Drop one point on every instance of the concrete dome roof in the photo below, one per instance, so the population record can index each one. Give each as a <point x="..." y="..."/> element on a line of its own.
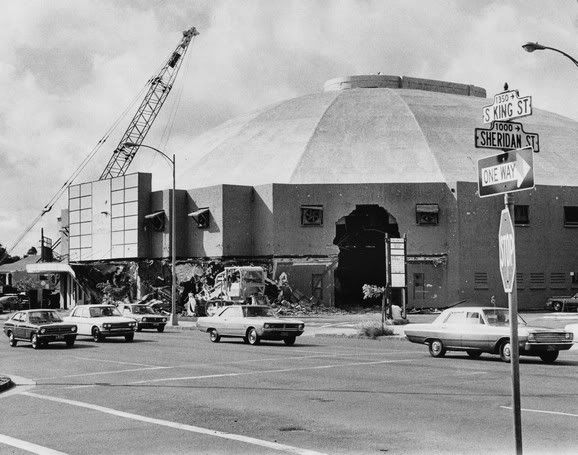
<point x="363" y="130"/>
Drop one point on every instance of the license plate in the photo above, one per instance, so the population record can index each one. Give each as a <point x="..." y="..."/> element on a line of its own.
<point x="284" y="334"/>
<point x="60" y="337"/>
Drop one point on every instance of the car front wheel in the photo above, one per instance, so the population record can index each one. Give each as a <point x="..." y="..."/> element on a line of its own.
<point x="506" y="351"/>
<point x="161" y="328"/>
<point x="253" y="337"/>
<point x="437" y="349"/>
<point x="549" y="357"/>
<point x="128" y="338"/>
<point x="214" y="336"/>
<point x="12" y="340"/>
<point x="96" y="335"/>
<point x="70" y="342"/>
<point x="35" y="341"/>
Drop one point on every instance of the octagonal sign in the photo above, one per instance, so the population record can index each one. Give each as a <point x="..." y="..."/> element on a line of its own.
<point x="507" y="247"/>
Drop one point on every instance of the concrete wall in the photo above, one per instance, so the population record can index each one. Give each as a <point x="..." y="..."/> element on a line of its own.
<point x="546" y="250"/>
<point x="238" y="229"/>
<point x="205" y="242"/>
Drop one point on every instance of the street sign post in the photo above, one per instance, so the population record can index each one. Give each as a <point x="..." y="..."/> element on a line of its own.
<point x="507" y="250"/>
<point x="507" y="172"/>
<point x="507" y="105"/>
<point x="506" y="136"/>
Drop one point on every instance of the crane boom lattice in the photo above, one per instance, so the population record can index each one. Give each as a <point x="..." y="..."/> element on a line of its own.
<point x="159" y="89"/>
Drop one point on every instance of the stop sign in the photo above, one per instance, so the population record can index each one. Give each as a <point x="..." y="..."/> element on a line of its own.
<point x="507" y="246"/>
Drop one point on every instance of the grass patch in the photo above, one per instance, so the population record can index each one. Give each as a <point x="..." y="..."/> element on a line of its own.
<point x="373" y="329"/>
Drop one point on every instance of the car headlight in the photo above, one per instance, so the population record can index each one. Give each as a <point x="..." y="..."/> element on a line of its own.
<point x="42" y="330"/>
<point x="266" y="326"/>
<point x="106" y="326"/>
<point x="301" y="326"/>
<point x="131" y="324"/>
<point x="164" y="320"/>
<point x="531" y="337"/>
<point x="569" y="336"/>
<point x="73" y="329"/>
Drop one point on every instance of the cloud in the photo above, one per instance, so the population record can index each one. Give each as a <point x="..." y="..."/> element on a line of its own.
<point x="70" y="69"/>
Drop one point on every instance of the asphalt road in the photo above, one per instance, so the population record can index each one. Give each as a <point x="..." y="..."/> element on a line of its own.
<point x="177" y="393"/>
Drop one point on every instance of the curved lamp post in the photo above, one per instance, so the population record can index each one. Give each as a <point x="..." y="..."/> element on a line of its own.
<point x="174" y="320"/>
<point x="531" y="47"/>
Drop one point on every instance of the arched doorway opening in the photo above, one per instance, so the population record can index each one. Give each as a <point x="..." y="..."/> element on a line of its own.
<point x="360" y="238"/>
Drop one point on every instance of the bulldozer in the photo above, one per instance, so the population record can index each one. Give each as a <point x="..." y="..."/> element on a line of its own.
<point x="234" y="285"/>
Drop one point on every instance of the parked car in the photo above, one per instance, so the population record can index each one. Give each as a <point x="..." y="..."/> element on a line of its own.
<point x="563" y="303"/>
<point x="145" y="316"/>
<point x="573" y="329"/>
<point x="101" y="321"/>
<point x="486" y="329"/>
<point x="13" y="302"/>
<point x="39" y="327"/>
<point x="252" y="323"/>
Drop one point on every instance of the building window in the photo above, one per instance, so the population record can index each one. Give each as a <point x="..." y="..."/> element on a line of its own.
<point x="557" y="280"/>
<point x="481" y="280"/>
<point x="426" y="214"/>
<point x="311" y="215"/>
<point x="521" y="215"/>
<point x="537" y="280"/>
<point x="571" y="216"/>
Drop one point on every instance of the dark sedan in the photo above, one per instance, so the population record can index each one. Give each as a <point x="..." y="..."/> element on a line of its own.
<point x="39" y="327"/>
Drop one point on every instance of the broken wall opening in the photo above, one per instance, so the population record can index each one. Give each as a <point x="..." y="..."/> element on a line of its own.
<point x="360" y="237"/>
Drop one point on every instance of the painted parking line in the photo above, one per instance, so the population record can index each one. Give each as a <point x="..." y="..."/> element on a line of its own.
<point x="179" y="426"/>
<point x="261" y="372"/>
<point x="28" y="446"/>
<point x="566" y="414"/>
<point x="93" y="359"/>
<point x="99" y="373"/>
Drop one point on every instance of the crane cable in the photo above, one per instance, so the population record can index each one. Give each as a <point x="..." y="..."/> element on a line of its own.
<point x="48" y="206"/>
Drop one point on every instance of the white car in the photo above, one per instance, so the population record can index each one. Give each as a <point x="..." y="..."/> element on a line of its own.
<point x="573" y="328"/>
<point x="101" y="321"/>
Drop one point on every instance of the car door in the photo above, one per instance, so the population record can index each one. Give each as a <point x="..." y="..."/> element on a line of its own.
<point x="223" y="321"/>
<point x="452" y="328"/>
<point x="16" y="328"/>
<point x="476" y="334"/>
<point x="237" y="321"/>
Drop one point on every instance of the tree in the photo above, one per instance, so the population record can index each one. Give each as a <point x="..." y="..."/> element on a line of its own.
<point x="32" y="251"/>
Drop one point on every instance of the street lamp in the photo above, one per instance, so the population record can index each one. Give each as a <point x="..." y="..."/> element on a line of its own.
<point x="531" y="47"/>
<point x="174" y="320"/>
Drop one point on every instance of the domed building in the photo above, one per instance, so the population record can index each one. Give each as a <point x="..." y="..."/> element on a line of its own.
<point x="315" y="186"/>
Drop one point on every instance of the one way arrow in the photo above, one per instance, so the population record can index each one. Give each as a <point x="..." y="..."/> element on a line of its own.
<point x="521" y="170"/>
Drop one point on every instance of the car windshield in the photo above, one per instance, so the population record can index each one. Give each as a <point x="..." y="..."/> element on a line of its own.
<point x="253" y="276"/>
<point x="258" y="312"/>
<point x="500" y="317"/>
<point x="44" y="317"/>
<point x="141" y="310"/>
<point x="103" y="311"/>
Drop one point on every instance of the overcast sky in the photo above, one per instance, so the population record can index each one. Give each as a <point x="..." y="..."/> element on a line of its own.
<point x="68" y="69"/>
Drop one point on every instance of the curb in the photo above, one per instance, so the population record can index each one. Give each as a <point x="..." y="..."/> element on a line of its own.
<point x="5" y="383"/>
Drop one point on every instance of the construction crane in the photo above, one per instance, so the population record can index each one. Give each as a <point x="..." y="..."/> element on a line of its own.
<point x="159" y="89"/>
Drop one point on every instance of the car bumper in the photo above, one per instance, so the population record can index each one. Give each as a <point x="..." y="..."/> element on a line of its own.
<point x="534" y="348"/>
<point x="116" y="332"/>
<point x="57" y="337"/>
<point x="151" y="325"/>
<point x="277" y="334"/>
